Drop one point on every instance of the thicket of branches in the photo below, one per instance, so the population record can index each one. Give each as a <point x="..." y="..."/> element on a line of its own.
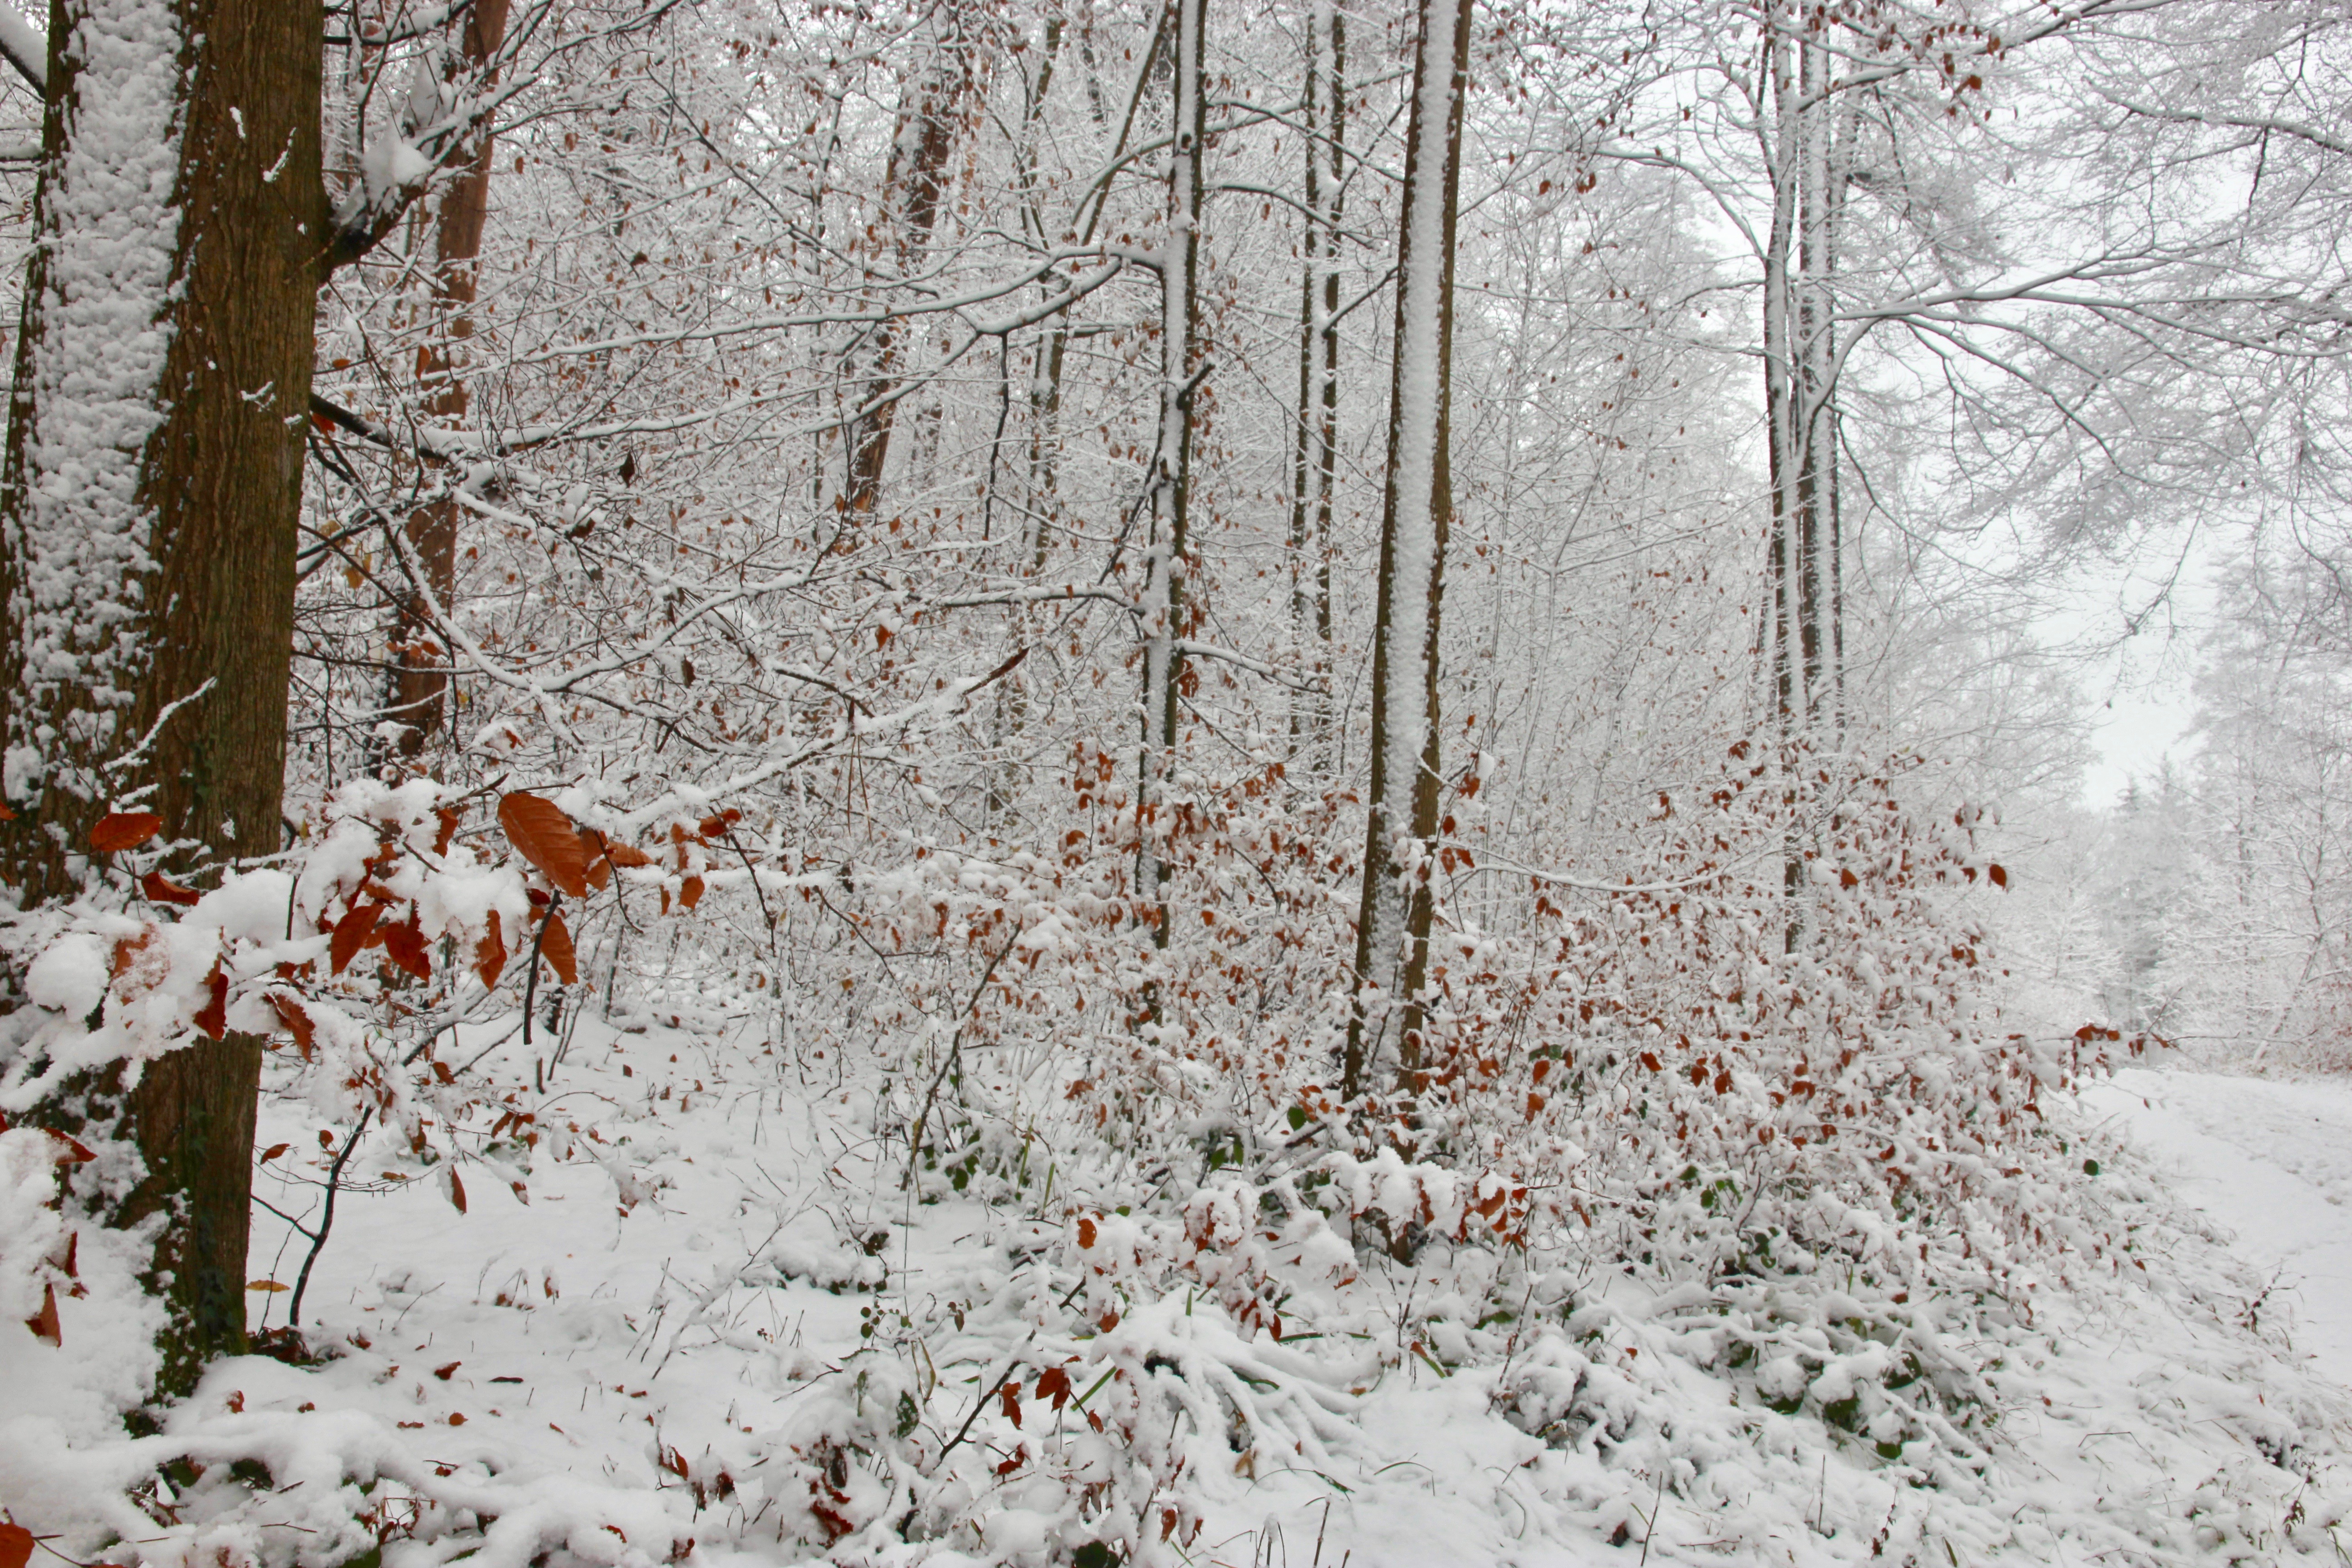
<point x="923" y="530"/>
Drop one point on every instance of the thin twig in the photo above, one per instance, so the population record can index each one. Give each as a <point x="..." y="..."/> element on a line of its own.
<point x="326" y="1217"/>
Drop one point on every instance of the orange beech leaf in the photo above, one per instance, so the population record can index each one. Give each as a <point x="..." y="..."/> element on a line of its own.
<point x="627" y="854"/>
<point x="352" y="933"/>
<point x="441" y="841"/>
<point x="1010" y="1394"/>
<point x="542" y="835"/>
<point x="69" y="1151"/>
<point x="16" y="1546"/>
<point x="298" y="1023"/>
<point x="555" y="946"/>
<point x="44" y="1324"/>
<point x="689" y="892"/>
<point x="124" y="830"/>
<point x="404" y="945"/>
<point x="211" y="1018"/>
<point x="127" y="951"/>
<point x="491" y="954"/>
<point x="6" y="815"/>
<point x="1054" y="1383"/>
<point x="457" y="1189"/>
<point x="163" y="890"/>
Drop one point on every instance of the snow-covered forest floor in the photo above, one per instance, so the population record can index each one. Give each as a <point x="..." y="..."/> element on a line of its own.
<point x="2268" y="1160"/>
<point x="708" y="1338"/>
<point x="1121" y="784"/>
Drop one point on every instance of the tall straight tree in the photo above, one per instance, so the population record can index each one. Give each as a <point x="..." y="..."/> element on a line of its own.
<point x="1806" y="160"/>
<point x="1399" y="903"/>
<point x="1171" y="476"/>
<point x="1316" y="474"/>
<point x="148" y="508"/>
<point x="937" y="99"/>
<point x="420" y="676"/>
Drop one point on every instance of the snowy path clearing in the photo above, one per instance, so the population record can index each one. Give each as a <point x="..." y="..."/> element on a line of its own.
<point x="2270" y="1161"/>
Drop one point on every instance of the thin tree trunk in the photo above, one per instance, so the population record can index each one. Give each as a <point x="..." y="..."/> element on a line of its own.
<point x="913" y="184"/>
<point x="1417" y="506"/>
<point x="420" y="672"/>
<point x="1163" y="605"/>
<point x="1053" y="348"/>
<point x="1006" y="775"/>
<point x="149" y="501"/>
<point x="1784" y="391"/>
<point x="1808" y="386"/>
<point x="1782" y="380"/>
<point x="1316" y="467"/>
<point x="1837" y="178"/>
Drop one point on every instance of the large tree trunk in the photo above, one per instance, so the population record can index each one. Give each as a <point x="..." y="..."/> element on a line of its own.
<point x="420" y="669"/>
<point x="148" y="509"/>
<point x="1163" y="603"/>
<point x="1416" y="512"/>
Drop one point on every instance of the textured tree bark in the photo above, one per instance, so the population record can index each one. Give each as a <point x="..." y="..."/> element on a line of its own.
<point x="913" y="184"/>
<point x="420" y="676"/>
<point x="1317" y="471"/>
<point x="1163" y="603"/>
<point x="1399" y="903"/>
<point x="164" y="509"/>
<point x="1806" y="165"/>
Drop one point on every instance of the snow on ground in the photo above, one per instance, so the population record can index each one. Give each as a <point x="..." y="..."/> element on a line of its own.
<point x="692" y="1275"/>
<point x="618" y="1371"/>
<point x="2270" y="1161"/>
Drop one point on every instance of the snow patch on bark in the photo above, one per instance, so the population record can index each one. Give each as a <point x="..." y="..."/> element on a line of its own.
<point x="93" y="364"/>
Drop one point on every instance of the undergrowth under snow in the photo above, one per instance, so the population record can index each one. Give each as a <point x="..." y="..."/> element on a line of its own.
<point x="714" y="1334"/>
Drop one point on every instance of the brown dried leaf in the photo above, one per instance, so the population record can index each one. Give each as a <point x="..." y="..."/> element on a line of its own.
<point x="298" y="1023"/>
<point x="542" y="835"/>
<point x="627" y="854"/>
<point x="404" y="945"/>
<point x="352" y="933"/>
<point x="1054" y="1383"/>
<point x="163" y="890"/>
<point x="211" y="1018"/>
<point x="127" y="951"/>
<point x="124" y="830"/>
<point x="491" y="954"/>
<point x="44" y="1324"/>
<point x="555" y="945"/>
